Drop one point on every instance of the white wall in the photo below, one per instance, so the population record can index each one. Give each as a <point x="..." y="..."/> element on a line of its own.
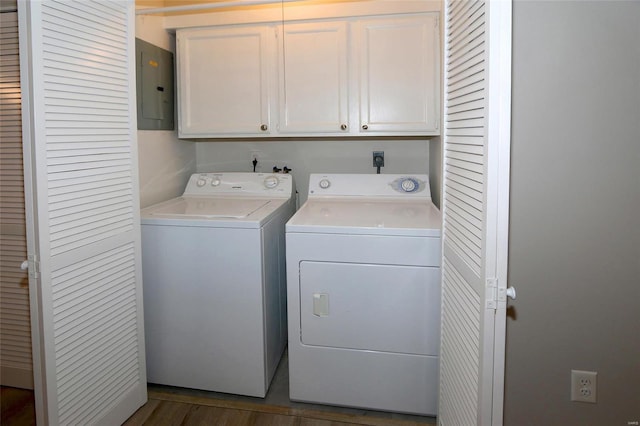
<point x="165" y="163"/>
<point x="315" y="156"/>
<point x="575" y="212"/>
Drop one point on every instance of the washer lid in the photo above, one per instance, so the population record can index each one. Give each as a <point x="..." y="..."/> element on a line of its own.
<point x="208" y="208"/>
<point x="367" y="216"/>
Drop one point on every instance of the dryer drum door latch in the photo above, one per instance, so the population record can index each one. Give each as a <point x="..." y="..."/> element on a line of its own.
<point x="320" y="304"/>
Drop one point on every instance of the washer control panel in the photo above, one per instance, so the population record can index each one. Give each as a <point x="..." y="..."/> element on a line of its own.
<point x="369" y="185"/>
<point x="240" y="183"/>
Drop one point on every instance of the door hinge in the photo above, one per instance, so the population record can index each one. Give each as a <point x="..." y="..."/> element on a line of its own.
<point x="492" y="293"/>
<point x="34" y="266"/>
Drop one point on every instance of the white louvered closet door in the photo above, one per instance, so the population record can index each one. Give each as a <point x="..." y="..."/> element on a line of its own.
<point x="475" y="211"/>
<point x="83" y="233"/>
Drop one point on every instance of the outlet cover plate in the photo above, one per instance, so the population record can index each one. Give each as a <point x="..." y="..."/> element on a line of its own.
<point x="583" y="386"/>
<point x="378" y="154"/>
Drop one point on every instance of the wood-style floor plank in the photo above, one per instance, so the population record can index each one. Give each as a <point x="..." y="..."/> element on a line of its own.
<point x="169" y="413"/>
<point x="266" y="419"/>
<point x="201" y="415"/>
<point x="318" y="422"/>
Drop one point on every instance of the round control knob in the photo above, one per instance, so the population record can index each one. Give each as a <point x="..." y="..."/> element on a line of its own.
<point x="408" y="185"/>
<point x="215" y="181"/>
<point x="324" y="183"/>
<point x="271" y="182"/>
<point x="201" y="182"/>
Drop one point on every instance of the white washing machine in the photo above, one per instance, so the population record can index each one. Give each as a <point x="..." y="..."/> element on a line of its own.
<point x="214" y="282"/>
<point x="363" y="285"/>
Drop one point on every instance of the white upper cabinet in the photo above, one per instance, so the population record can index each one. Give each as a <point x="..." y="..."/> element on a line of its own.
<point x="399" y="75"/>
<point x="224" y="86"/>
<point x="336" y="77"/>
<point x="314" y="83"/>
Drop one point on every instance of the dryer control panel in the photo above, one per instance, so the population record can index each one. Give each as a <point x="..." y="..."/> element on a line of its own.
<point x="369" y="185"/>
<point x="241" y="184"/>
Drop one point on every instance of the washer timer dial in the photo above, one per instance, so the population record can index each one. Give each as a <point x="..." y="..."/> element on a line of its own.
<point x="271" y="182"/>
<point x="324" y="183"/>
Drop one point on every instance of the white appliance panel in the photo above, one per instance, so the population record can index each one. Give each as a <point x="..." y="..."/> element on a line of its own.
<point x="399" y="250"/>
<point x="367" y="216"/>
<point x="374" y="307"/>
<point x="204" y="282"/>
<point x="380" y="187"/>
<point x="379" y="380"/>
<point x="240" y="184"/>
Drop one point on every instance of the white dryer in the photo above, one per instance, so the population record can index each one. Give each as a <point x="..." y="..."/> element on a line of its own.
<point x="363" y="269"/>
<point x="214" y="282"/>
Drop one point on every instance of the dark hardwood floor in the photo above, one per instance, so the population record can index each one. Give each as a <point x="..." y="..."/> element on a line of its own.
<point x="176" y="409"/>
<point x="17" y="407"/>
<point x="173" y="406"/>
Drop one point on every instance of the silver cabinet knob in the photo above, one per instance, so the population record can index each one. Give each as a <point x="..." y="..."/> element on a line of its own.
<point x="365" y="127"/>
<point x="263" y="127"/>
<point x="343" y="127"/>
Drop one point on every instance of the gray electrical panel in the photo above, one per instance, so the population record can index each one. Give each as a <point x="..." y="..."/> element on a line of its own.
<point x="154" y="83"/>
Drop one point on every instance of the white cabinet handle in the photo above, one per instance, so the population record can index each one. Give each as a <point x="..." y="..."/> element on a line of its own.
<point x="24" y="265"/>
<point x="511" y="293"/>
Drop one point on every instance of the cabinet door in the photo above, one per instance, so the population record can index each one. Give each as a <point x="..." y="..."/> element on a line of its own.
<point x="314" y="78"/>
<point x="399" y="75"/>
<point x="223" y="81"/>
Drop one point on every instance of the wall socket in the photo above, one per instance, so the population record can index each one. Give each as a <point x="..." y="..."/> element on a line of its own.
<point x="583" y="386"/>
<point x="257" y="155"/>
<point x="379" y="154"/>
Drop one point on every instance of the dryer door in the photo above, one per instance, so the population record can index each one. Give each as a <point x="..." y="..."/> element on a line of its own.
<point x="371" y="307"/>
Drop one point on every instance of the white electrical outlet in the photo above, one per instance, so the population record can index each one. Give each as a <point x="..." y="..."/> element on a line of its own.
<point x="583" y="386"/>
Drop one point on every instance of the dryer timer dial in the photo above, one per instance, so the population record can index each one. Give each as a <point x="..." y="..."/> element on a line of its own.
<point x="408" y="185"/>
